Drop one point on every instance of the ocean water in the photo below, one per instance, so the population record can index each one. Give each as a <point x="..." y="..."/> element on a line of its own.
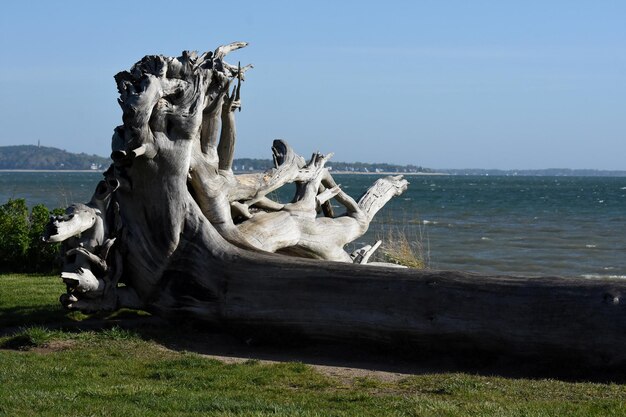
<point x="567" y="226"/>
<point x="53" y="189"/>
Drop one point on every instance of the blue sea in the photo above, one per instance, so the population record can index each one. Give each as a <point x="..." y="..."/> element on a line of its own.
<point x="567" y="226"/>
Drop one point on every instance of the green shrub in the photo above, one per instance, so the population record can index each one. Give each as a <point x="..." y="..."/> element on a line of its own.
<point x="42" y="257"/>
<point x="21" y="247"/>
<point x="14" y="238"/>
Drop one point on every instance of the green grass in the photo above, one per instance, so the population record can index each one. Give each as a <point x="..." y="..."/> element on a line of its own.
<point x="30" y="299"/>
<point x="118" y="372"/>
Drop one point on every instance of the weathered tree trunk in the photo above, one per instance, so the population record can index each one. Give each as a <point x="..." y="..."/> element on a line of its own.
<point x="561" y="319"/>
<point x="187" y="237"/>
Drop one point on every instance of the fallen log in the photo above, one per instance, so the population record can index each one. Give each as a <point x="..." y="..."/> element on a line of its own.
<point x="568" y="321"/>
<point x="182" y="236"/>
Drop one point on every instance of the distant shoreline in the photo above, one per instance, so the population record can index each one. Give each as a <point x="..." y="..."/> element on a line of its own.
<point x="539" y="173"/>
<point x="51" y="170"/>
<point x="388" y="173"/>
<point x="40" y="156"/>
<point x="236" y="172"/>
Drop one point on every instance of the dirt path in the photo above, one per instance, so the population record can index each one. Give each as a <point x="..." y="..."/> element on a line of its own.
<point x="344" y="373"/>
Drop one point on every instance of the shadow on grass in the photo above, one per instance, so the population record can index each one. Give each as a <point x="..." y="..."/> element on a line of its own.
<point x="198" y="338"/>
<point x="19" y="316"/>
<point x="53" y="317"/>
<point x="190" y="336"/>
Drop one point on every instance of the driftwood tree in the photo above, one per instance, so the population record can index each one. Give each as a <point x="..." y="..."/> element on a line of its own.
<point x="171" y="229"/>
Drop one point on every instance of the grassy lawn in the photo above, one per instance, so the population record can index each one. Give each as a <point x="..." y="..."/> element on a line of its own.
<point x="47" y="367"/>
<point x="29" y="299"/>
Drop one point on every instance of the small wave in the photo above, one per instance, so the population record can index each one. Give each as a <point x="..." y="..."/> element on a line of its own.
<point x="485" y="238"/>
<point x="591" y="246"/>
<point x="429" y="222"/>
<point x="623" y="188"/>
<point x="600" y="201"/>
<point x="599" y="276"/>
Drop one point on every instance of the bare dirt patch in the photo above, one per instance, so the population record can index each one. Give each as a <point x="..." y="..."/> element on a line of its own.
<point x="53" y="346"/>
<point x="345" y="374"/>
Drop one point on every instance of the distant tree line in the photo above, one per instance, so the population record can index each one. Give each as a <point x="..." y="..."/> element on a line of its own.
<point x="375" y="167"/>
<point x="42" y="157"/>
<point x="248" y="164"/>
<point x="48" y="158"/>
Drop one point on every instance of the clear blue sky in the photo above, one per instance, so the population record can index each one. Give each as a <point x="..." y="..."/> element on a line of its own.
<point x="442" y="84"/>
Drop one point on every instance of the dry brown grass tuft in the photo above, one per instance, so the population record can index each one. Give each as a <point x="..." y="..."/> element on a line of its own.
<point x="400" y="248"/>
